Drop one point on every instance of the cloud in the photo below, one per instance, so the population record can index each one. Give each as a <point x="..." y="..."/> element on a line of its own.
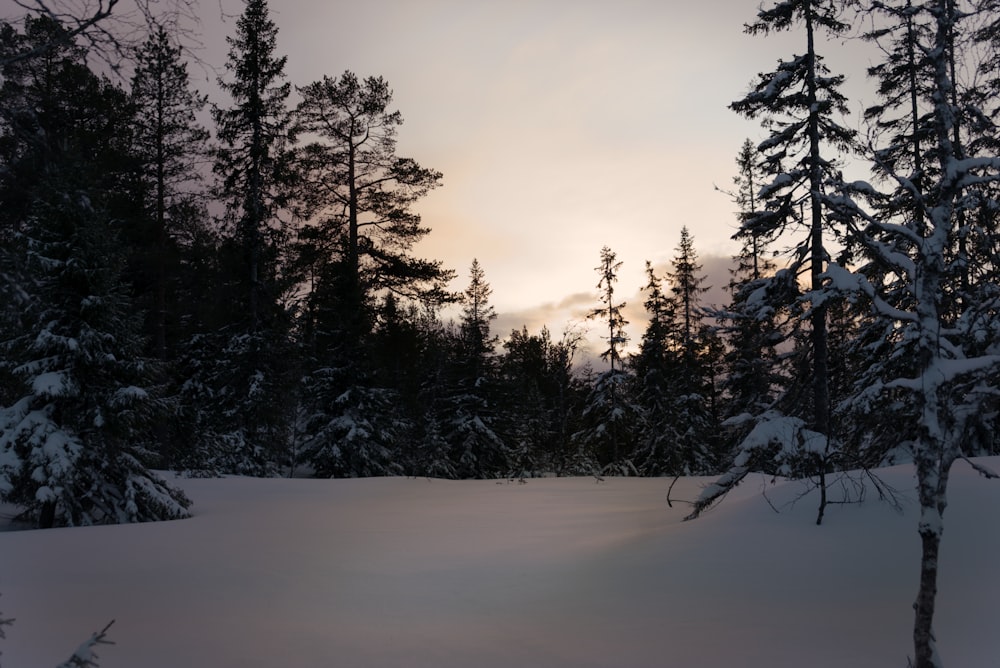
<point x="570" y="312"/>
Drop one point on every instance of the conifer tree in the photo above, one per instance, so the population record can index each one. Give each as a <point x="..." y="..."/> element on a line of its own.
<point x="655" y="368"/>
<point x="948" y="381"/>
<point x="797" y="102"/>
<point x="356" y="197"/>
<point x="77" y="414"/>
<point x="751" y="323"/>
<point x="467" y="403"/>
<point x="686" y="284"/>
<point x="605" y="441"/>
<point x="540" y="399"/>
<point x="251" y="157"/>
<point x="243" y="376"/>
<point x="168" y="142"/>
<point x="477" y="313"/>
<point x="169" y="145"/>
<point x="675" y="372"/>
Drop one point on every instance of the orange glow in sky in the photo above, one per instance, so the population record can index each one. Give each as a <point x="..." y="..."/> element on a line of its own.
<point x="559" y="126"/>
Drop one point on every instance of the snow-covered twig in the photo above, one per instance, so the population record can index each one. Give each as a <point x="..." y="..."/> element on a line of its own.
<point x="984" y="471"/>
<point x="85" y="656"/>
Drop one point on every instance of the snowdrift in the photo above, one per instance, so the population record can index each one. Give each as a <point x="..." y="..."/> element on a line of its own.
<point x="554" y="572"/>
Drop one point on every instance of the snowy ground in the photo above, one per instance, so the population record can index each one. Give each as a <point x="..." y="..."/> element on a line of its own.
<point x="555" y="572"/>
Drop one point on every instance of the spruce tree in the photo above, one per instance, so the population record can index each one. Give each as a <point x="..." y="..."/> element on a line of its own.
<point x="655" y="369"/>
<point x="474" y="424"/>
<point x="251" y="156"/>
<point x="798" y="103"/>
<point x="605" y="441"/>
<point x="244" y="377"/>
<point x="169" y="142"/>
<point x="675" y="372"/>
<point x="169" y="145"/>
<point x="80" y="404"/>
<point x="754" y="322"/>
<point x="541" y="399"/>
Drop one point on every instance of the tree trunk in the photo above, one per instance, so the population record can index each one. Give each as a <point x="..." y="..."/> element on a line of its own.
<point x="923" y="634"/>
<point x="47" y="516"/>
<point x="821" y="387"/>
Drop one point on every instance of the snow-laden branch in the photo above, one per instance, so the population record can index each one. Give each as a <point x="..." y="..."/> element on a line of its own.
<point x="85" y="656"/>
<point x="842" y="280"/>
<point x="946" y="371"/>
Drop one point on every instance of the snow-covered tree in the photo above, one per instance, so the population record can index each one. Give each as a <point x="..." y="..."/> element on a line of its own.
<point x="655" y="368"/>
<point x="469" y="403"/>
<point x="750" y="322"/>
<point x="605" y="439"/>
<point x="950" y="346"/>
<point x="798" y="102"/>
<point x="675" y="373"/>
<point x="81" y="399"/>
<point x="244" y="384"/>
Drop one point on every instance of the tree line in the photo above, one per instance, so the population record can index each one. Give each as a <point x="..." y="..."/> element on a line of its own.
<point x="252" y="304"/>
<point x="248" y="300"/>
<point x="244" y="299"/>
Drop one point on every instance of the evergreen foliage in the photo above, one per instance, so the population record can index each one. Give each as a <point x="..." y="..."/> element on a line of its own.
<point x="80" y="398"/>
<point x="540" y="401"/>
<point x="937" y="367"/>
<point x="249" y="397"/>
<point x="353" y="252"/>
<point x="606" y="438"/>
<point x="798" y="103"/>
<point x="675" y="373"/>
<point x="169" y="145"/>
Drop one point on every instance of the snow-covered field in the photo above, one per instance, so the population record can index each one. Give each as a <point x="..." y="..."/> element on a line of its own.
<point x="555" y="572"/>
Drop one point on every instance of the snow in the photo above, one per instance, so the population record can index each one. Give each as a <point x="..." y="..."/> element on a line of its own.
<point x="50" y="384"/>
<point x="557" y="572"/>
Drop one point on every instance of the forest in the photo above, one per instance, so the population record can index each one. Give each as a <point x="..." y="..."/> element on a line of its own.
<point x="242" y="296"/>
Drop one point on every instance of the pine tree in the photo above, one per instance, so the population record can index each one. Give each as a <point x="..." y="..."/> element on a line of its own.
<point x="356" y="197"/>
<point x="357" y="194"/>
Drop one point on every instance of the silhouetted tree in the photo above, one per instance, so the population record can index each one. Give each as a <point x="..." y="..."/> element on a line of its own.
<point x="605" y="440"/>
<point x="245" y="380"/>
<point x="80" y="399"/>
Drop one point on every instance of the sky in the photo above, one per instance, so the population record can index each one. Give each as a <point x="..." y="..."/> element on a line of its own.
<point x="560" y="127"/>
